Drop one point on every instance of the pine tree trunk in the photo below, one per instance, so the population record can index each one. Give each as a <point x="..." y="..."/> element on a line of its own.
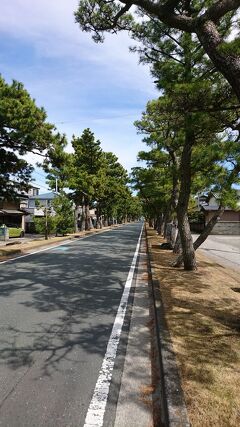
<point x="76" y="219"/>
<point x="166" y="219"/>
<point x="177" y="246"/>
<point x="97" y="219"/>
<point x="150" y="222"/>
<point x="171" y="207"/>
<point x="203" y="236"/>
<point x="188" y="252"/>
<point x="159" y="224"/>
<point x="207" y="230"/>
<point x="82" y="221"/>
<point x="87" y="216"/>
<point x="174" y="233"/>
<point x="105" y="221"/>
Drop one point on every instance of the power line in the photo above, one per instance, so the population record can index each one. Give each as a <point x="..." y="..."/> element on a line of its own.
<point x="42" y="186"/>
<point x="40" y="174"/>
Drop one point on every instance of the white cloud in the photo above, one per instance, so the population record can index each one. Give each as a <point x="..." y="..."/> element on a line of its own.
<point x="50" y="27"/>
<point x="80" y="83"/>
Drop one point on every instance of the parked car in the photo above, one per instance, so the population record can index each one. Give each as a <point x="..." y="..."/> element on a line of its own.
<point x="14" y="230"/>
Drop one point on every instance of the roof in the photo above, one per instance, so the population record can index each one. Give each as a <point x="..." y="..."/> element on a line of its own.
<point x="33" y="186"/>
<point x="11" y="212"/>
<point x="45" y="196"/>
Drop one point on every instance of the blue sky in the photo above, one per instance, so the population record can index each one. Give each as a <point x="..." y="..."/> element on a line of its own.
<point x="80" y="84"/>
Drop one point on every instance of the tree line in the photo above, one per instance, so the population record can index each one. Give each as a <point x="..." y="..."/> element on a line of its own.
<point x="87" y="177"/>
<point x="192" y="129"/>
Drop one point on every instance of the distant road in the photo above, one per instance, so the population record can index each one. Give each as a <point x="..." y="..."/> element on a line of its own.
<point x="223" y="249"/>
<point x="57" y="313"/>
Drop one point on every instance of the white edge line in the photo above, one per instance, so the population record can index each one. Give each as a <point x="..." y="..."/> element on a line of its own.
<point x="96" y="409"/>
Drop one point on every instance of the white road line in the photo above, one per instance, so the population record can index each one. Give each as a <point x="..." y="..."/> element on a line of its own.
<point x="96" y="410"/>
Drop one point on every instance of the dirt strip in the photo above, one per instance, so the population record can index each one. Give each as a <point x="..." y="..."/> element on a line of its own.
<point x="202" y="315"/>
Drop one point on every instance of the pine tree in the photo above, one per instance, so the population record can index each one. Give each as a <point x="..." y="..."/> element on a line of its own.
<point x="23" y="129"/>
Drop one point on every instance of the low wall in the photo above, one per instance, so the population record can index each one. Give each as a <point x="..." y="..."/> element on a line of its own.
<point x="227" y="227"/>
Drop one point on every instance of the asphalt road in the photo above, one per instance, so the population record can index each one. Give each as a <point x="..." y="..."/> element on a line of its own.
<point x="56" y="316"/>
<point x="223" y="249"/>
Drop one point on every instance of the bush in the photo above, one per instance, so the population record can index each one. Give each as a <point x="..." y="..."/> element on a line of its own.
<point x="39" y="224"/>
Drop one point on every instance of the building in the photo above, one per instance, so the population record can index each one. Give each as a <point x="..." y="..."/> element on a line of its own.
<point x="11" y="212"/>
<point x="229" y="222"/>
<point x="37" y="203"/>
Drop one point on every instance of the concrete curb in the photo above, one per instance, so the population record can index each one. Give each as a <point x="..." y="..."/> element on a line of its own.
<point x="173" y="407"/>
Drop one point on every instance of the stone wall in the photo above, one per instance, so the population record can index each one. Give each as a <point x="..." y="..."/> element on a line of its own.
<point x="227" y="227"/>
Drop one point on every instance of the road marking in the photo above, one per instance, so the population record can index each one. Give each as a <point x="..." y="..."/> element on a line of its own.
<point x="62" y="248"/>
<point x="96" y="410"/>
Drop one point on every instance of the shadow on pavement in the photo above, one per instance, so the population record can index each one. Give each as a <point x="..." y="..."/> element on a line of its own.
<point x="65" y="300"/>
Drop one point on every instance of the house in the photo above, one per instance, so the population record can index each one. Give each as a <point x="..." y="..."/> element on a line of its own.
<point x="229" y="222"/>
<point x="33" y="191"/>
<point x="37" y="203"/>
<point x="21" y="211"/>
<point x="12" y="213"/>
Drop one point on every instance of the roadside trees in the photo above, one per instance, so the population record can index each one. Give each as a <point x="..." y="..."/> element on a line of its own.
<point x="83" y="174"/>
<point x="154" y="184"/>
<point x="57" y="163"/>
<point x="199" y="168"/>
<point x="112" y="200"/>
<point x="23" y="129"/>
<point x="64" y="214"/>
<point x="214" y="167"/>
<point x="211" y="23"/>
<point x="196" y="106"/>
<point x="96" y="178"/>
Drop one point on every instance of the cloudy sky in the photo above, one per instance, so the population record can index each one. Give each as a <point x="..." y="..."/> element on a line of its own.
<point x="80" y="84"/>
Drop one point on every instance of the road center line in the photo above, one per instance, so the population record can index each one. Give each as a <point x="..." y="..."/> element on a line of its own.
<point x="96" y="410"/>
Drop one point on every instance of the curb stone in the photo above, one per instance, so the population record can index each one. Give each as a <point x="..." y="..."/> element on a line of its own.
<point x="173" y="407"/>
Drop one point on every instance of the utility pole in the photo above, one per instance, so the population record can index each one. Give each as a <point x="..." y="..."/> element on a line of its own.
<point x="46" y="222"/>
<point x="56" y="185"/>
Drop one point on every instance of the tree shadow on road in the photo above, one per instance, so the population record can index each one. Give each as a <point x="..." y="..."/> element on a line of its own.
<point x="66" y="301"/>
